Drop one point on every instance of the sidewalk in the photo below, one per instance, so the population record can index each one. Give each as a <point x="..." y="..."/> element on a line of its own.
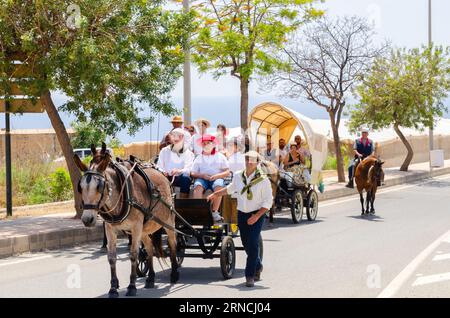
<point x="33" y="234"/>
<point x="392" y="177"/>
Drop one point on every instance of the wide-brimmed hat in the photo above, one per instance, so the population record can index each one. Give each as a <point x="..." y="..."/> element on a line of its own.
<point x="200" y="121"/>
<point x="205" y="138"/>
<point x="252" y="154"/>
<point x="177" y="131"/>
<point x="364" y="130"/>
<point x="177" y="119"/>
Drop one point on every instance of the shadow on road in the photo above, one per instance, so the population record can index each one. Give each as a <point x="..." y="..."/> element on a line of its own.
<point x="371" y="218"/>
<point x="287" y="223"/>
<point x="189" y="276"/>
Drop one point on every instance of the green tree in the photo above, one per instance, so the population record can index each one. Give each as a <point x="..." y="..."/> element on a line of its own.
<point x="241" y="37"/>
<point x="405" y="89"/>
<point x="114" y="60"/>
<point x="323" y="64"/>
<point x="87" y="134"/>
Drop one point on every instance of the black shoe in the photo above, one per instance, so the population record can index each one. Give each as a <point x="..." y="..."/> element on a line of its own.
<point x="258" y="275"/>
<point x="350" y="185"/>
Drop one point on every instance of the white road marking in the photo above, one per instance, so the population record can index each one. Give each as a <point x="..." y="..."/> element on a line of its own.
<point x="395" y="285"/>
<point x="390" y="189"/>
<point x="441" y="257"/>
<point x="431" y="279"/>
<point x="26" y="260"/>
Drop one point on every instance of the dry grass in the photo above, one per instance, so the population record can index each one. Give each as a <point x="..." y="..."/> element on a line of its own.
<point x="40" y="211"/>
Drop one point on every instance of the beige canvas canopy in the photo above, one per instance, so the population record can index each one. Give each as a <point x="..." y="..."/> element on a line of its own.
<point x="272" y="120"/>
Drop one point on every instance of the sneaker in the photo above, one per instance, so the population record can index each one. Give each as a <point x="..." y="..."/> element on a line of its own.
<point x="217" y="217"/>
<point x="250" y="282"/>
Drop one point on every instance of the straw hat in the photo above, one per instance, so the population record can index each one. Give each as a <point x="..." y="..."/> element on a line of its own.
<point x="199" y="122"/>
<point x="177" y="119"/>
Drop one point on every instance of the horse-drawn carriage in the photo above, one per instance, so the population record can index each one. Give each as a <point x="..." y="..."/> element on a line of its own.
<point x="200" y="237"/>
<point x="296" y="191"/>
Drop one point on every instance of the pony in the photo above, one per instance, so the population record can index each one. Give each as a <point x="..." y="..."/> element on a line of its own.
<point x="120" y="193"/>
<point x="368" y="176"/>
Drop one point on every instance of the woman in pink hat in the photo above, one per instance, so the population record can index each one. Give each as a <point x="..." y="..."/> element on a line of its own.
<point x="209" y="170"/>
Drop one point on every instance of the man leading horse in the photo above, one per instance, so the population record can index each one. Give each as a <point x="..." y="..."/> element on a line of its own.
<point x="362" y="148"/>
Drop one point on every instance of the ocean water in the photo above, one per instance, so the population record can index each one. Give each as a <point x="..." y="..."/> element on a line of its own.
<point x="223" y="110"/>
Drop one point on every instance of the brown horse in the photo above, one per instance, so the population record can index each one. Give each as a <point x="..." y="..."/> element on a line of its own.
<point x="368" y="176"/>
<point x="117" y="192"/>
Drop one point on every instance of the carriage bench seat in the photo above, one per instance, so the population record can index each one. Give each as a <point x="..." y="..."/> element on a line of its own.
<point x="196" y="212"/>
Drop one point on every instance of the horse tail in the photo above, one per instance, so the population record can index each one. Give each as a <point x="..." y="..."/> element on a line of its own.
<point x="157" y="243"/>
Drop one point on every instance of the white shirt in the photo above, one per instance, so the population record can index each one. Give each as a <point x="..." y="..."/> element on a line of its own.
<point x="210" y="164"/>
<point x="236" y="162"/>
<point x="262" y="193"/>
<point x="169" y="159"/>
<point x="272" y="156"/>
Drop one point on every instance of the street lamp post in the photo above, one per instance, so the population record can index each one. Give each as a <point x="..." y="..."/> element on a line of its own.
<point x="187" y="76"/>
<point x="430" y="43"/>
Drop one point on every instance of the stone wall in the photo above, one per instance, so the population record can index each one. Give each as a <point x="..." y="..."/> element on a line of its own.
<point x="35" y="145"/>
<point x="393" y="152"/>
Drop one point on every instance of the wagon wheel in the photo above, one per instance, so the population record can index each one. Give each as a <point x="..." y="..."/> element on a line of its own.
<point x="312" y="205"/>
<point x="142" y="266"/>
<point x="297" y="206"/>
<point x="227" y="257"/>
<point x="181" y="249"/>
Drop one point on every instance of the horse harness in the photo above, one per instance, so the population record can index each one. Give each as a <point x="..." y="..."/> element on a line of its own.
<point x="128" y="200"/>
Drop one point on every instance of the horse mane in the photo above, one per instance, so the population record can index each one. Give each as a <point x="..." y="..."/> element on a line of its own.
<point x="365" y="165"/>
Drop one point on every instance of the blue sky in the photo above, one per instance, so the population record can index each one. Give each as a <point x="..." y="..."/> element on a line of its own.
<point x="403" y="22"/>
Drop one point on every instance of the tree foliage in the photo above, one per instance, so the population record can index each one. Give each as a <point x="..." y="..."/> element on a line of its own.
<point x="115" y="60"/>
<point x="405" y="89"/>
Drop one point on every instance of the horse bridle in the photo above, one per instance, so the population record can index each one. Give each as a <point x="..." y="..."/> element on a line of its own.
<point x="102" y="191"/>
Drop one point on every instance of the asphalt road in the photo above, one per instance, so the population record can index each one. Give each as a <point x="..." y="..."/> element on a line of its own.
<point x="402" y="251"/>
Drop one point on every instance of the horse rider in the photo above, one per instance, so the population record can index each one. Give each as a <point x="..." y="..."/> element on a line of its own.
<point x="254" y="198"/>
<point x="363" y="148"/>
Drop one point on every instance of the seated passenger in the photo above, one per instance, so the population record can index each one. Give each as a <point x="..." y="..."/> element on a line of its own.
<point x="209" y="170"/>
<point x="236" y="159"/>
<point x="294" y="163"/>
<point x="293" y="158"/>
<point x="272" y="154"/>
<point x="302" y="150"/>
<point x="202" y="125"/>
<point x="176" y="161"/>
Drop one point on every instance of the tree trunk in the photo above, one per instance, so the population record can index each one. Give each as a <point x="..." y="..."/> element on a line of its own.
<point x="64" y="142"/>
<point x="410" y="154"/>
<point x="244" y="104"/>
<point x="337" y="149"/>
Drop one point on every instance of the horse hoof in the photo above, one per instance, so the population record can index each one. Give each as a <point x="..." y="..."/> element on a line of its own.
<point x="174" y="278"/>
<point x="131" y="291"/>
<point x="149" y="285"/>
<point x="113" y="293"/>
